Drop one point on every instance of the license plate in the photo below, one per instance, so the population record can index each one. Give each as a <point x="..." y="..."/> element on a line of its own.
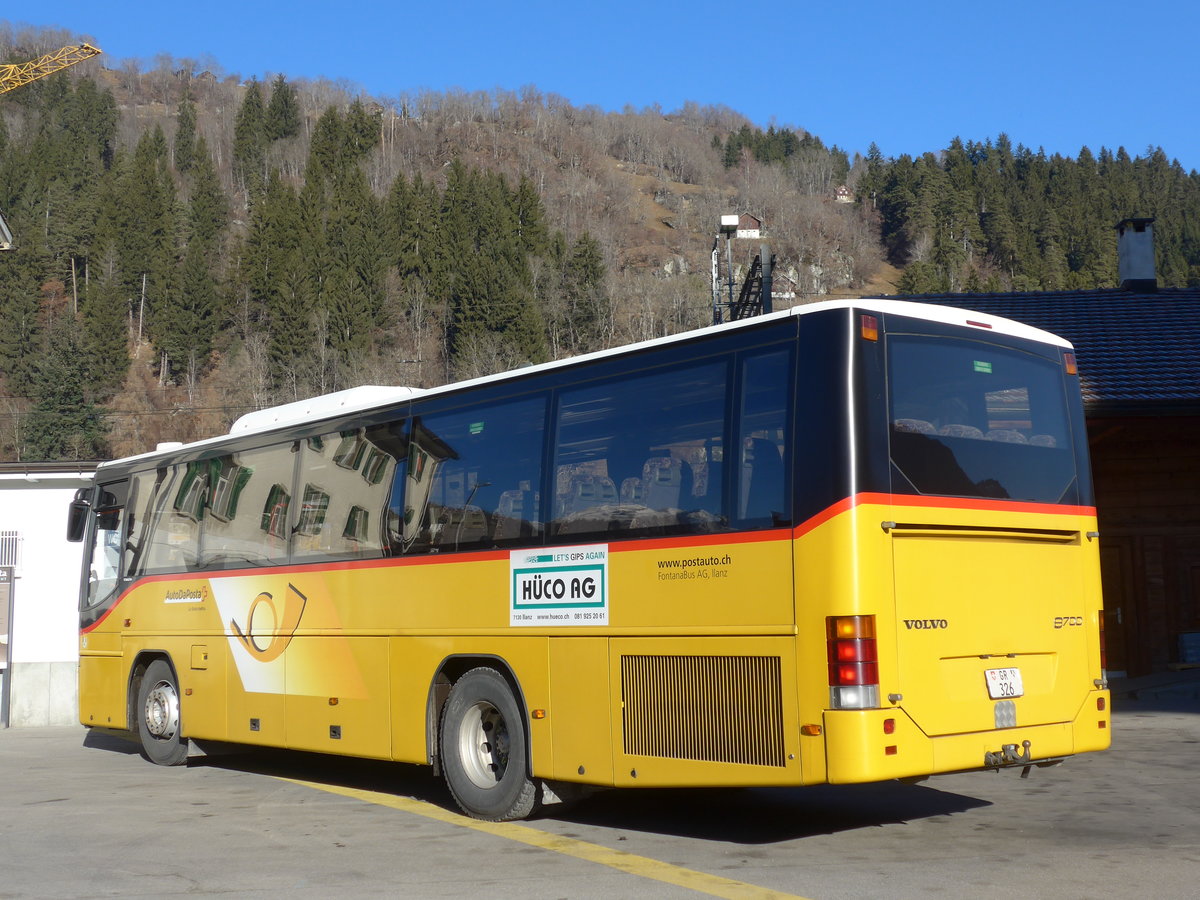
<point x="1004" y="684"/>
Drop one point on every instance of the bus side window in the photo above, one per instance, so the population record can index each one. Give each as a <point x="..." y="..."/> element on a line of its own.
<point x="642" y="454"/>
<point x="174" y="530"/>
<point x="763" y="424"/>
<point x="141" y="492"/>
<point x="472" y="477"/>
<point x="346" y="493"/>
<point x="244" y="520"/>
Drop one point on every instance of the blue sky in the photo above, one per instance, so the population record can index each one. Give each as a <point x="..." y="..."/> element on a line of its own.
<point x="908" y="76"/>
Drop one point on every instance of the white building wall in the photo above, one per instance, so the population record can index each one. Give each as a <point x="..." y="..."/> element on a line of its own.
<point x="44" y="632"/>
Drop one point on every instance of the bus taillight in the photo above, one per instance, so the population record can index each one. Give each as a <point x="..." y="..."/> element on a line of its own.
<point x="853" y="662"/>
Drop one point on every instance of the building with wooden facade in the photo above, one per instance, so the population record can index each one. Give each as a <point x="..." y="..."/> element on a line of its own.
<point x="1138" y="349"/>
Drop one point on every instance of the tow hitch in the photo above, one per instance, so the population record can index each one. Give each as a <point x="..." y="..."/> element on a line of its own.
<point x="1008" y="756"/>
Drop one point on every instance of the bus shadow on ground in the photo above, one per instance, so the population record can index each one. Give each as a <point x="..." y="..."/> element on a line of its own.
<point x="115" y="741"/>
<point x="730" y="815"/>
<point x="765" y="815"/>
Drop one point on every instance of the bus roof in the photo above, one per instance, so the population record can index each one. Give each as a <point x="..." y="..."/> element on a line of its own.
<point x="369" y="397"/>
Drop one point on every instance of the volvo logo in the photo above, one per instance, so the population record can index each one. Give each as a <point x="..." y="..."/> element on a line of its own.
<point x="921" y="624"/>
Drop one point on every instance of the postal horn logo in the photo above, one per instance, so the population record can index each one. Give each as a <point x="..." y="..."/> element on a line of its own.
<point x="269" y="630"/>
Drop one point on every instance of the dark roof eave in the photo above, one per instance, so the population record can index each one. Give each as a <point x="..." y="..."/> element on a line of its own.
<point x="47" y="467"/>
<point x="1140" y="409"/>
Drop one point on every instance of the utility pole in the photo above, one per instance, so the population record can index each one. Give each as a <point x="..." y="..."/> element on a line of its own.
<point x="755" y="296"/>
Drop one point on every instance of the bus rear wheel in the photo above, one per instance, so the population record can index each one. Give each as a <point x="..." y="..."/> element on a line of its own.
<point x="158" y="716"/>
<point x="484" y="755"/>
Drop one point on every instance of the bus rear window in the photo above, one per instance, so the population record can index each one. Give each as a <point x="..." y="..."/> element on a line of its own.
<point x="970" y="418"/>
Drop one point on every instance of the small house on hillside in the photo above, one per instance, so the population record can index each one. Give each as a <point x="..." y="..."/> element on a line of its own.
<point x="748" y="227"/>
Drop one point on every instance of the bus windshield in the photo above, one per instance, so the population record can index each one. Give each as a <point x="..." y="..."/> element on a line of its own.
<point x="976" y="419"/>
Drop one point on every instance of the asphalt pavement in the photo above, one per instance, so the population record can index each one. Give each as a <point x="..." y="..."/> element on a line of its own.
<point x="82" y="815"/>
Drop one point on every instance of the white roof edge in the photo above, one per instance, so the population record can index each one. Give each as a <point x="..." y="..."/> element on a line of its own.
<point x="367" y="396"/>
<point x="951" y="315"/>
<point x="372" y="396"/>
<point x="36" y="477"/>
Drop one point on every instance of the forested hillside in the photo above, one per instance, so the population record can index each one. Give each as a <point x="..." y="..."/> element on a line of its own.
<point x="986" y="216"/>
<point x="192" y="245"/>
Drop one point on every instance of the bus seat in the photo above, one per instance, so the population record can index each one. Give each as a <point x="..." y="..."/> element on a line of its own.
<point x="586" y="491"/>
<point x="1007" y="436"/>
<point x="514" y="515"/>
<point x="763" y="479"/>
<point x="662" y="478"/>
<point x="465" y="527"/>
<point x="914" y="426"/>
<point x="633" y="492"/>
<point x="961" y="431"/>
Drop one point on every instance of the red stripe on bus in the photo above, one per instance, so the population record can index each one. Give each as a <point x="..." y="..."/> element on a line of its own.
<point x="634" y="544"/>
<point x="1051" y="509"/>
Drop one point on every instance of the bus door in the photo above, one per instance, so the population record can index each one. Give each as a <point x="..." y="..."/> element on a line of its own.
<point x="107" y="534"/>
<point x="101" y="668"/>
<point x="990" y="555"/>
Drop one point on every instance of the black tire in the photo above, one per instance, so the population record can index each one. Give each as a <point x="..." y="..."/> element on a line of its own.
<point x="157" y="712"/>
<point x="484" y="755"/>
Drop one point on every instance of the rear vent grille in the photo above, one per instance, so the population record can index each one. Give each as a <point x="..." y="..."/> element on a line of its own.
<point x="707" y="708"/>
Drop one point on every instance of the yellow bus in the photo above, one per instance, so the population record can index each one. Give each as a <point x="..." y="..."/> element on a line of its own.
<point x="849" y="542"/>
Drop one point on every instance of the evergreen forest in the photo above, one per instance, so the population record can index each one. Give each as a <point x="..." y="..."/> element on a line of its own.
<point x="191" y="245"/>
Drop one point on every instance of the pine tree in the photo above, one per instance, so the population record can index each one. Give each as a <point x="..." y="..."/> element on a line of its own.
<point x="278" y="289"/>
<point x="531" y="218"/>
<point x="64" y="422"/>
<point x="105" y="329"/>
<point x="209" y="207"/>
<point x="358" y="264"/>
<point x="189" y="323"/>
<point x="362" y="130"/>
<point x="141" y="226"/>
<point x="185" y="134"/>
<point x="19" y="338"/>
<point x="282" y="118"/>
<point x="249" y="140"/>
<point x="486" y="279"/>
<point x="588" y="306"/>
<point x="327" y="150"/>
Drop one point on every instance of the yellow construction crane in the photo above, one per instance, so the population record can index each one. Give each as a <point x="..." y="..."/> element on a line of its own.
<point x="15" y="76"/>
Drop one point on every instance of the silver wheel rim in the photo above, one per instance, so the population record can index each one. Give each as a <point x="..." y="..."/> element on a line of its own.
<point x="162" y="711"/>
<point x="483" y="744"/>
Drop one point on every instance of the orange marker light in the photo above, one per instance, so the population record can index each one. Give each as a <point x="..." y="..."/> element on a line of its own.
<point x="870" y="328"/>
<point x="1069" y="362"/>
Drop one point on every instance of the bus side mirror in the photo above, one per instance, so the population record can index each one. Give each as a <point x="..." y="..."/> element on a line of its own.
<point x="77" y="520"/>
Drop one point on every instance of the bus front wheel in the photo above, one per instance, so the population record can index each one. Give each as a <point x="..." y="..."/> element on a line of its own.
<point x="484" y="754"/>
<point x="158" y="716"/>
